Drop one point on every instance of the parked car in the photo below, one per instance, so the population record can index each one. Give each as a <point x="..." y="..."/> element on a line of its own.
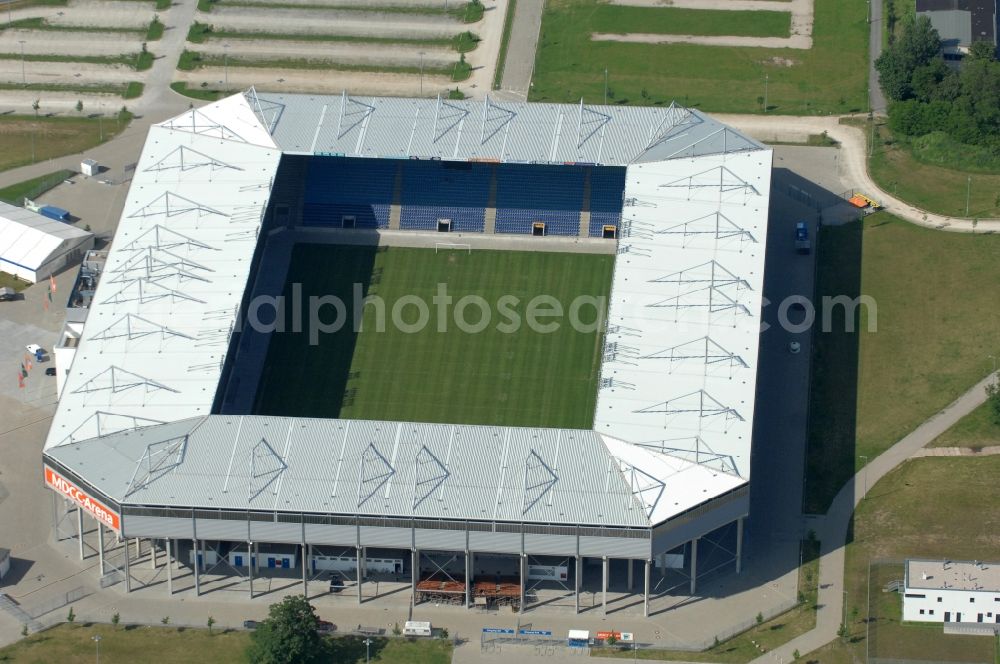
<point x="51" y="371"/>
<point x="249" y="624"/>
<point x="326" y="627"/>
<point x="7" y="293"/>
<point x="336" y="583"/>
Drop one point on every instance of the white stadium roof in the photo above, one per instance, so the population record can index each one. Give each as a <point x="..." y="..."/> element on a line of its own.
<point x="675" y="408"/>
<point x="28" y="240"/>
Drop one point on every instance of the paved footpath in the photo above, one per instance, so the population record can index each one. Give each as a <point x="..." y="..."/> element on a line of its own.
<point x="853" y="149"/>
<point x="832" y="530"/>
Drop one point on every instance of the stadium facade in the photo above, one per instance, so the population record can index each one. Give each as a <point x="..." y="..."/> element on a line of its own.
<point x="153" y="439"/>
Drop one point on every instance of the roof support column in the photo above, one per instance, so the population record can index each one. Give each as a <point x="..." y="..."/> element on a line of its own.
<point x="79" y="529"/>
<point x="170" y="564"/>
<point x="645" y="591"/>
<point x="577" y="573"/>
<point x="360" y="557"/>
<point x="128" y="572"/>
<point x="739" y="545"/>
<point x="100" y="547"/>
<point x="604" y="585"/>
<point x="468" y="578"/>
<point x="414" y="575"/>
<point x="305" y="572"/>
<point x="250" y="562"/>
<point x="631" y="568"/>
<point x="152" y="553"/>
<point x="524" y="581"/>
<point x="694" y="566"/>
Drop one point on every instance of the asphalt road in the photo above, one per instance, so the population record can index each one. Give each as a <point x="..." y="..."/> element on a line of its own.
<point x="876" y="100"/>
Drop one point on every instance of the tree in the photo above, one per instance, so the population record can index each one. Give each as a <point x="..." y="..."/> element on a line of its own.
<point x="917" y="46"/>
<point x="165" y="620"/>
<point x="993" y="392"/>
<point x="115" y="619"/>
<point x="612" y="639"/>
<point x="211" y="623"/>
<point x="289" y="635"/>
<point x="79" y="106"/>
<point x="71" y="616"/>
<point x="35" y="106"/>
<point x="982" y="50"/>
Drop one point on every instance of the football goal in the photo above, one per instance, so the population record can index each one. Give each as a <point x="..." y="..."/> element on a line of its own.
<point x="452" y="246"/>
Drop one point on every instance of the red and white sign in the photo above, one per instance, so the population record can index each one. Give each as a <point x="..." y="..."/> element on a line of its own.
<point x="70" y="490"/>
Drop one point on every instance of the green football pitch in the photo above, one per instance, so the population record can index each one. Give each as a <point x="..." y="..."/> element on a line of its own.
<point x="441" y="372"/>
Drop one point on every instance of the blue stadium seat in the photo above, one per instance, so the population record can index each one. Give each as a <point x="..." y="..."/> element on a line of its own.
<point x="435" y="190"/>
<point x="607" y="186"/>
<point x="530" y="193"/>
<point x="338" y="186"/>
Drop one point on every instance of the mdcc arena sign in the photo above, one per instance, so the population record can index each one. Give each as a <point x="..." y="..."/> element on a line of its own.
<point x="70" y="490"/>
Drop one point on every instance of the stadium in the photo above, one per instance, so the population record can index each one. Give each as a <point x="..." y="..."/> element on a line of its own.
<point x="211" y="408"/>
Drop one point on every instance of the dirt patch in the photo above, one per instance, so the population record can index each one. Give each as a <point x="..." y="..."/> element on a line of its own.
<point x="779" y="62"/>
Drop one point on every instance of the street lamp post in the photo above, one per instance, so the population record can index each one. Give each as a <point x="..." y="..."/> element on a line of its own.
<point x="368" y="652"/>
<point x="24" y="80"/>
<point x="225" y="63"/>
<point x="864" y="472"/>
<point x="605" y="86"/>
<point x="765" y="93"/>
<point x="968" y="192"/>
<point x="421" y="73"/>
<point x="96" y="638"/>
<point x="994" y="358"/>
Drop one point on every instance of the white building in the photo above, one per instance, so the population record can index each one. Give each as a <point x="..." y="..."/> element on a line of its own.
<point x="32" y="247"/>
<point x="951" y="591"/>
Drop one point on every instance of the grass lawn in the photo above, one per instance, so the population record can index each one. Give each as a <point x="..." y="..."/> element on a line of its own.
<point x="70" y="644"/>
<point x="768" y="635"/>
<point x="16" y="193"/>
<point x="931" y="507"/>
<point x="829" y="78"/>
<point x="522" y="378"/>
<point x="51" y="137"/>
<point x="10" y="281"/>
<point x="934" y="186"/>
<point x="937" y="323"/>
<point x="977" y="429"/>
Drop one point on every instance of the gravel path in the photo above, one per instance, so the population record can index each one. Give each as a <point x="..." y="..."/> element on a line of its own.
<point x="520" y="64"/>
<point x="989" y="450"/>
<point x="63" y="73"/>
<point x="332" y="22"/>
<point x="351" y="53"/>
<point x="59" y="103"/>
<point x="330" y="82"/>
<point x="800" y="36"/>
<point x="484" y="59"/>
<point x="50" y="42"/>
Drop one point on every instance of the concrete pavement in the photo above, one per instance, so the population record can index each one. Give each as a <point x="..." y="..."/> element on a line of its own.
<point x="520" y="61"/>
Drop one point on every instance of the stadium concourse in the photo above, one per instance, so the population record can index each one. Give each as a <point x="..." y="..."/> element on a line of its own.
<point x="155" y="439"/>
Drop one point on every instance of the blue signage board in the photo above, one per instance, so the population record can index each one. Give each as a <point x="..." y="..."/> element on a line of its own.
<point x="497" y="630"/>
<point x="535" y="632"/>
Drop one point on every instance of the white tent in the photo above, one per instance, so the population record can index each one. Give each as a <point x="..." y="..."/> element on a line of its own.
<point x="32" y="246"/>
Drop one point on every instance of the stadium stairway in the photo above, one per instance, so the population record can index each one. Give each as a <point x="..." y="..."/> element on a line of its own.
<point x="490" y="218"/>
<point x="585" y="205"/>
<point x="241" y="390"/>
<point x="396" y="207"/>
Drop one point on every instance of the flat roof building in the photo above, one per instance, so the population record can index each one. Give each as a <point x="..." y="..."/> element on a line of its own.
<point x="950" y="591"/>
